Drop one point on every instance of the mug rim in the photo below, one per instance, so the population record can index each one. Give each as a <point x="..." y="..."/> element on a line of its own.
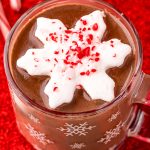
<point x="43" y="109"/>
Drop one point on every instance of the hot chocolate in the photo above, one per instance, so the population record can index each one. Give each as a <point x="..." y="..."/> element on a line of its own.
<point x="77" y="60"/>
<point x="33" y="86"/>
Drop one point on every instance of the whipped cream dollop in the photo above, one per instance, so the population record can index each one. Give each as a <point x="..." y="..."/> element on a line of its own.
<point x="75" y="58"/>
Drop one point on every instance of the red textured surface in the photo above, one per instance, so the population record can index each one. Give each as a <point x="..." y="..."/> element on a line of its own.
<point x="138" y="11"/>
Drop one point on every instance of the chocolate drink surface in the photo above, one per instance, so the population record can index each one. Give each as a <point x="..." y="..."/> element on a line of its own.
<point x="33" y="86"/>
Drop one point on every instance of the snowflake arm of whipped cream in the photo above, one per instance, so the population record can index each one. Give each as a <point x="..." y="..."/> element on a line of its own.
<point x="74" y="58"/>
<point x="99" y="84"/>
<point x="60" y="88"/>
<point x="46" y="27"/>
<point x="94" y="25"/>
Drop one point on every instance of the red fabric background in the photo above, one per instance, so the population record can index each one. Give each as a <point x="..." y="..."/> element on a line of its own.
<point x="138" y="11"/>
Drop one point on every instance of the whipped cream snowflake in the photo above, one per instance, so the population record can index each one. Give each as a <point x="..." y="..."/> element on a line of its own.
<point x="74" y="58"/>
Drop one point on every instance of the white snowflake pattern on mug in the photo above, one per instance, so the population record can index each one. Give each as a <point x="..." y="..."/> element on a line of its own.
<point x="114" y="116"/>
<point x="112" y="133"/>
<point x="41" y="137"/>
<point x="77" y="145"/>
<point x="80" y="129"/>
<point x="33" y="118"/>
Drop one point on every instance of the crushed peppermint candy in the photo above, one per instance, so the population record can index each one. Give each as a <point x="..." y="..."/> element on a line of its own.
<point x="75" y="58"/>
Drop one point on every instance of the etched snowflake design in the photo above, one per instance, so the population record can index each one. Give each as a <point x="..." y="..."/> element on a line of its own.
<point x="75" y="57"/>
<point x="80" y="129"/>
<point x="77" y="145"/>
<point x="33" y="118"/>
<point x="41" y="137"/>
<point x="112" y="133"/>
<point x="114" y="116"/>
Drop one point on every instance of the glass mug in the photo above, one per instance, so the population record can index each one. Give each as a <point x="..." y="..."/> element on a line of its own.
<point x="102" y="128"/>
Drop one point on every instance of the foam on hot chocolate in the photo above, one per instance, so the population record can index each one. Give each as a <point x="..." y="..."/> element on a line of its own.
<point x="74" y="58"/>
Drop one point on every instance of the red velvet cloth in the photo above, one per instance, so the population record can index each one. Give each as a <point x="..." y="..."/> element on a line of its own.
<point x="138" y="11"/>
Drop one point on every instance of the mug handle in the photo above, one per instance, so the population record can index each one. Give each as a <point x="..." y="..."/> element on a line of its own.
<point x="142" y="102"/>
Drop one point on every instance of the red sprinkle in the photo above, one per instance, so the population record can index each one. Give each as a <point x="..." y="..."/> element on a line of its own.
<point x="91" y="36"/>
<point x="68" y="31"/>
<point x="48" y="60"/>
<point x="66" y="36"/>
<point x="80" y="55"/>
<point x="36" y="59"/>
<point x="88" y="73"/>
<point x="84" y="22"/>
<point x="111" y="41"/>
<point x="66" y="62"/>
<point x="80" y="37"/>
<point x="69" y="78"/>
<point x="97" y="54"/>
<point x="93" y="48"/>
<point x="112" y="45"/>
<point x="82" y="73"/>
<point x="67" y="57"/>
<point x="93" y="70"/>
<point x="83" y="29"/>
<point x="89" y="28"/>
<point x="56" y="52"/>
<point x="88" y="41"/>
<point x="90" y="59"/>
<point x="61" y="38"/>
<point x="114" y="55"/>
<point x="78" y="49"/>
<point x="67" y="52"/>
<point x="86" y="51"/>
<point x="95" y="27"/>
<point x="55" y="88"/>
<point x="56" y="60"/>
<point x="96" y="59"/>
<point x="73" y="63"/>
<point x="33" y="53"/>
<point x="53" y="38"/>
<point x="75" y="42"/>
<point x="79" y="61"/>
